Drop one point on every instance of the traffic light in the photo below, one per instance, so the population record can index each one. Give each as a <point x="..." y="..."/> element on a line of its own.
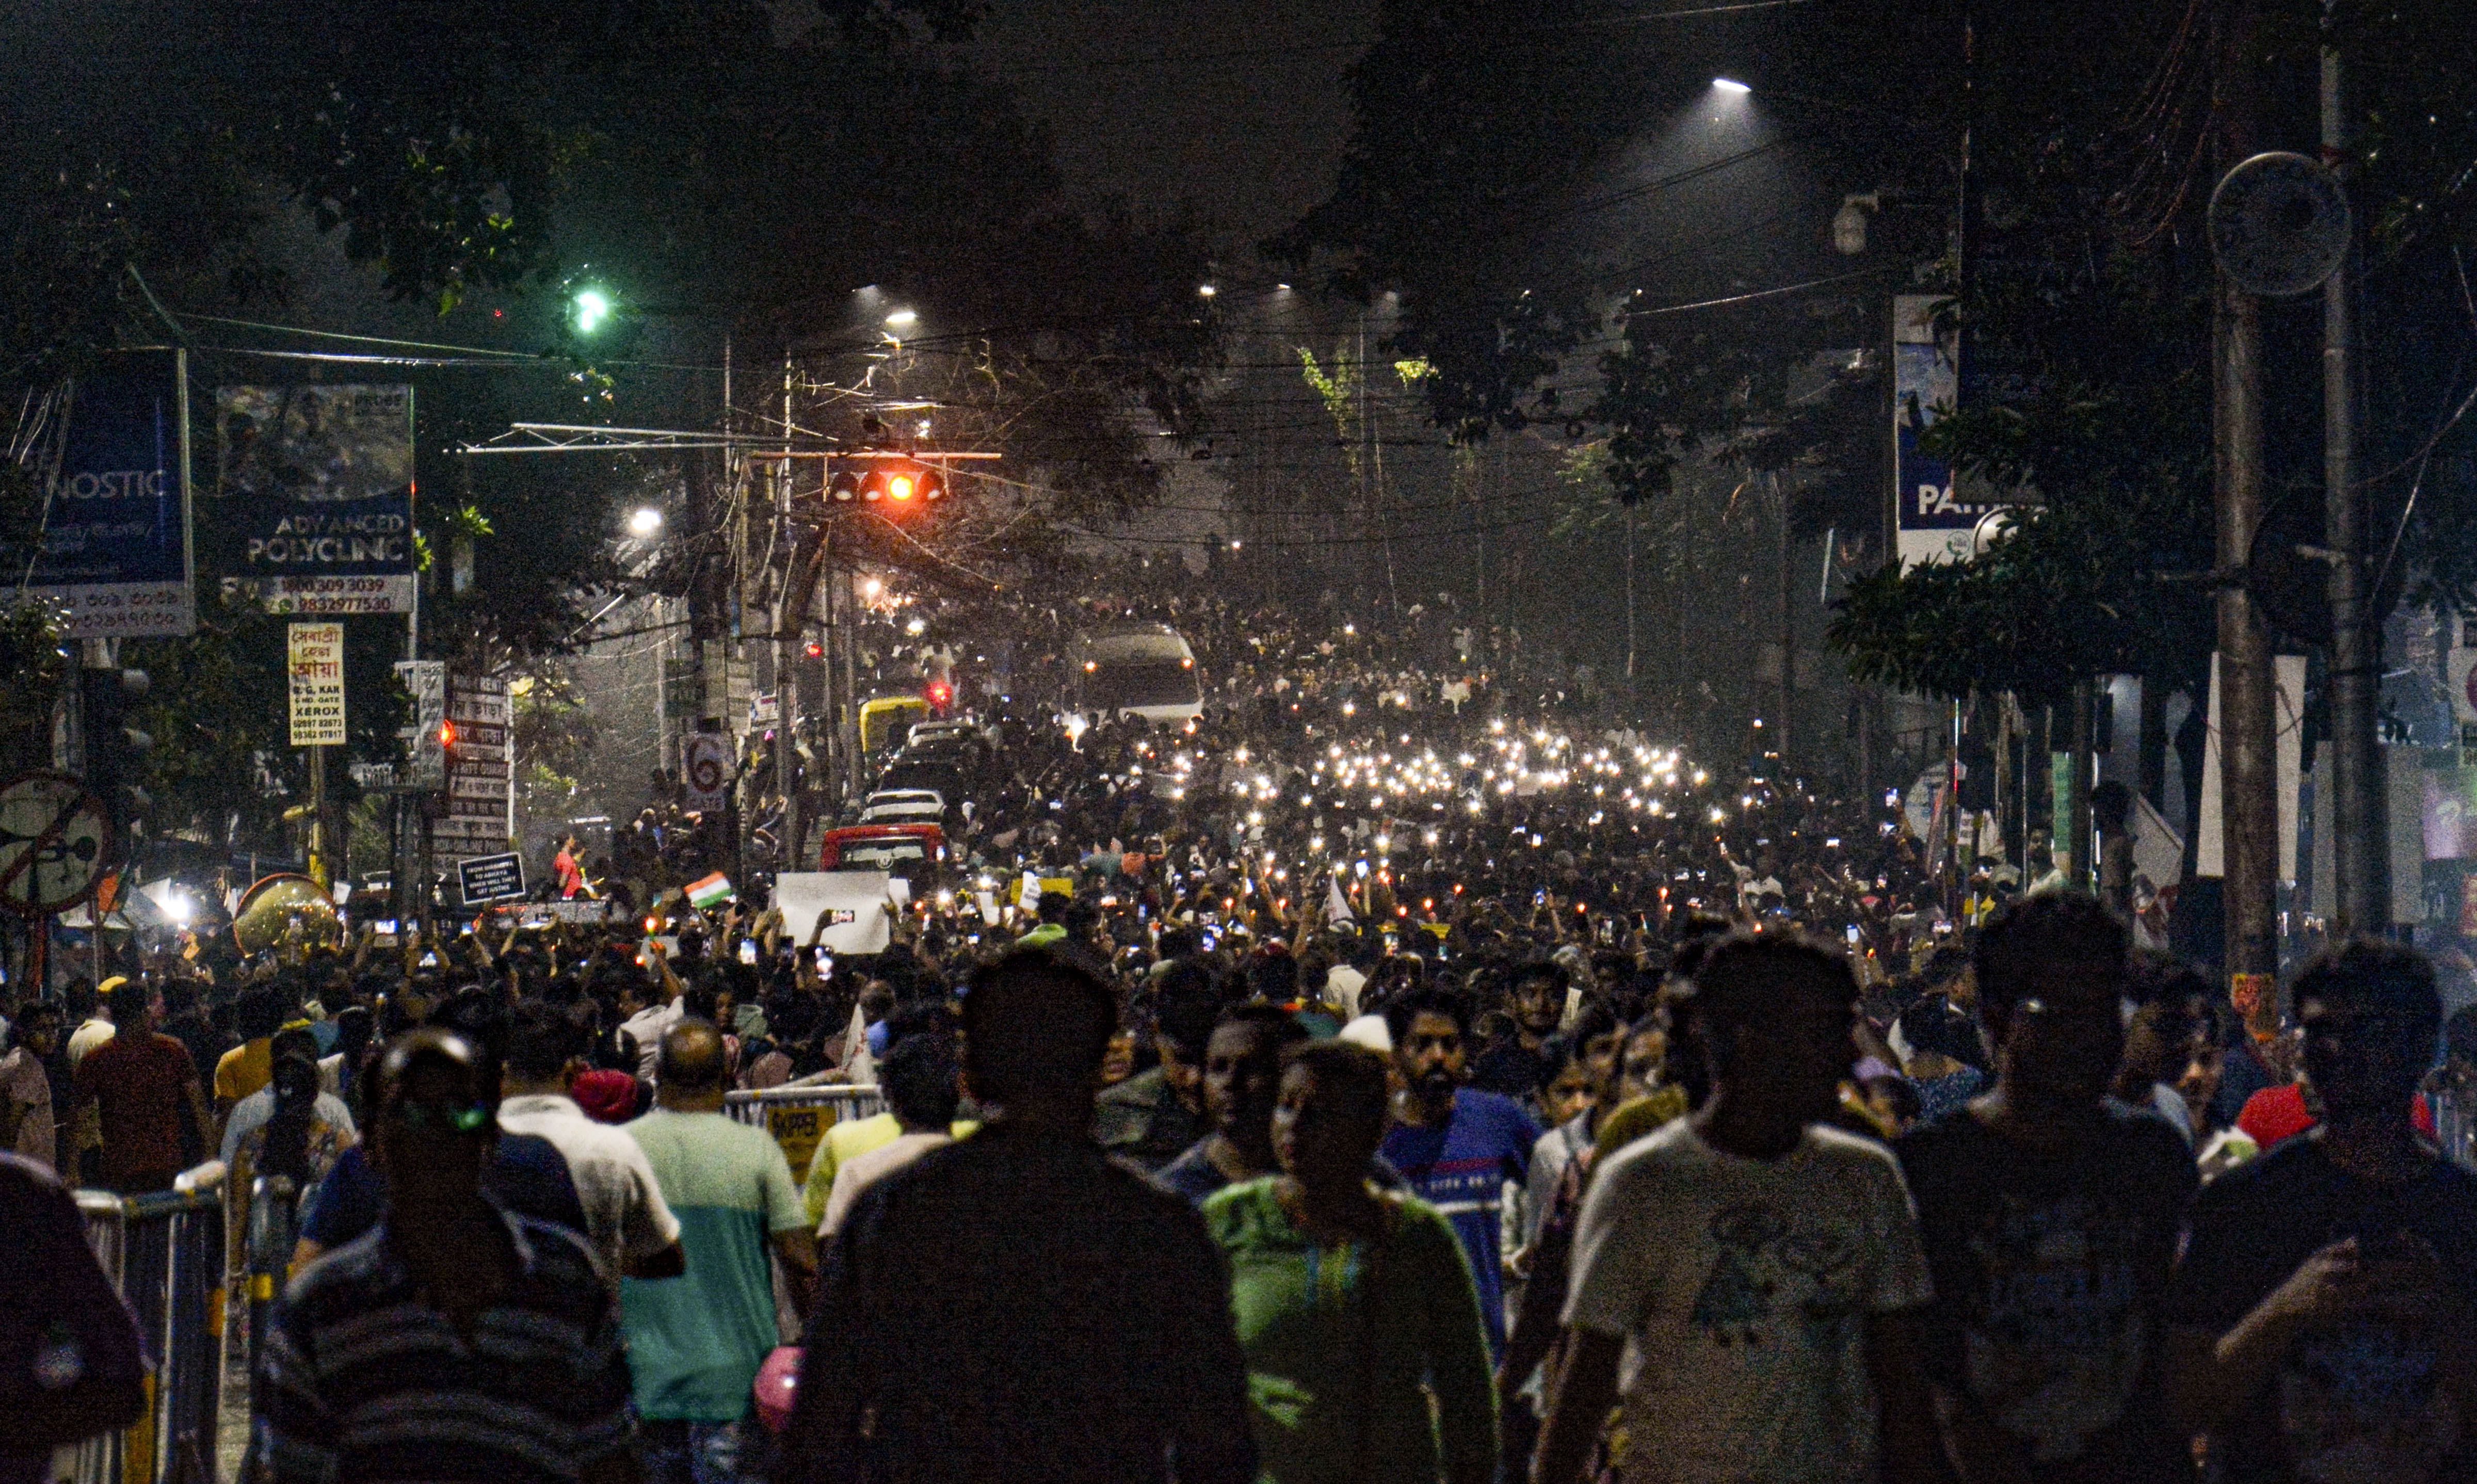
<point x="901" y="485"/>
<point x="813" y="650"/>
<point x="117" y="749"/>
<point x="940" y="694"/>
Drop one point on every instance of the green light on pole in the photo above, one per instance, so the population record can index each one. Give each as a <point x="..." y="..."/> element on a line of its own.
<point x="592" y="307"/>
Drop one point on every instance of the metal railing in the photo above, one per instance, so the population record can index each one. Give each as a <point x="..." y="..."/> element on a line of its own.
<point x="165" y="1254"/>
<point x="798" y="1117"/>
<point x="274" y="1230"/>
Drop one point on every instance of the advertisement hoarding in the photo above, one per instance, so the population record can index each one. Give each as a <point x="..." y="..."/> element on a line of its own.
<point x="312" y="508"/>
<point x="1935" y="525"/>
<point x="113" y="546"/>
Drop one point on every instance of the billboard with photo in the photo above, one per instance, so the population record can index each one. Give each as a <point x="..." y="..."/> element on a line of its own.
<point x="313" y="506"/>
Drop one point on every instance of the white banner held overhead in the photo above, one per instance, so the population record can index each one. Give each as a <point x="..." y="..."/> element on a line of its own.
<point x="853" y="903"/>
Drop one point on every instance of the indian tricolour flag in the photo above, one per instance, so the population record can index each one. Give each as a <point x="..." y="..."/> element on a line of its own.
<point x="712" y="892"/>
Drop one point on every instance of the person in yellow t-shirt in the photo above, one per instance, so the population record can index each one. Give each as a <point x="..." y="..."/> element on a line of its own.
<point x="250" y="1065"/>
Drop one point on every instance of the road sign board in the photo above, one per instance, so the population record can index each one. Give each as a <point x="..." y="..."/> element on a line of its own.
<point x="479" y="783"/>
<point x="705" y="770"/>
<point x="54" y="843"/>
<point x="491" y="878"/>
<point x="426" y="682"/>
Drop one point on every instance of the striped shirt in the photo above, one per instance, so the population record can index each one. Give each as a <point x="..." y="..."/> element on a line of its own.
<point x="361" y="1380"/>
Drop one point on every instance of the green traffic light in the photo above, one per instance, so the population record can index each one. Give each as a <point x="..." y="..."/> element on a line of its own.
<point x="592" y="307"/>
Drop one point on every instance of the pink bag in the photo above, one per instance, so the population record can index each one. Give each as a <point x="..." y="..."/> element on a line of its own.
<point x="777" y="1385"/>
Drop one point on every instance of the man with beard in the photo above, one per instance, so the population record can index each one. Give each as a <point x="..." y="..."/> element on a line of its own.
<point x="1456" y="1146"/>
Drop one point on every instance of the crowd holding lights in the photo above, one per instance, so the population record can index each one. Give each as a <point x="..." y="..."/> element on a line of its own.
<point x="1417" y="768"/>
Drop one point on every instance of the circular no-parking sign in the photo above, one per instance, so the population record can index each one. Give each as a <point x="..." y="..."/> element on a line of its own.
<point x="54" y="843"/>
<point x="705" y="768"/>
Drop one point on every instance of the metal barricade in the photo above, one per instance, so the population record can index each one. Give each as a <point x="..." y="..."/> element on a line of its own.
<point x="274" y="1230"/>
<point x="798" y="1117"/>
<point x="165" y="1253"/>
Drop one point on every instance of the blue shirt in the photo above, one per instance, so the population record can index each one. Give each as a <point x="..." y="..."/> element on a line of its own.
<point x="526" y="1173"/>
<point x="1460" y="1169"/>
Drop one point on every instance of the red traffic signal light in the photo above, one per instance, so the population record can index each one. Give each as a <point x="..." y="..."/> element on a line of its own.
<point x="942" y="694"/>
<point x="813" y="650"/>
<point x="902" y="484"/>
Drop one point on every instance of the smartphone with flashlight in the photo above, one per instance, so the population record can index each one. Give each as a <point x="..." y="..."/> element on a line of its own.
<point x="748" y="950"/>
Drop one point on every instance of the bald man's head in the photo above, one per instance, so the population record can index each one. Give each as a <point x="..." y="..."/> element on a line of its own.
<point x="691" y="1058"/>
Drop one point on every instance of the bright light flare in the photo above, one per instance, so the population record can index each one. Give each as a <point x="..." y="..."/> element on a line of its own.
<point x="646" y="523"/>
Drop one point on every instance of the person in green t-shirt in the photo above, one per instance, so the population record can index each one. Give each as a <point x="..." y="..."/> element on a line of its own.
<point x="1353" y="1303"/>
<point x="695" y="1341"/>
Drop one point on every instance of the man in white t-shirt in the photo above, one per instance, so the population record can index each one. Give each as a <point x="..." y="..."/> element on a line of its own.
<point x="628" y="1222"/>
<point x="1758" y="1275"/>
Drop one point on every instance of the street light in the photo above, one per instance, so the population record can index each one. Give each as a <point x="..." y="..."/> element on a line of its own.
<point x="903" y="319"/>
<point x="1206" y="290"/>
<point x="645" y="523"/>
<point x="591" y="307"/>
<point x="1849" y="223"/>
<point x="1729" y="85"/>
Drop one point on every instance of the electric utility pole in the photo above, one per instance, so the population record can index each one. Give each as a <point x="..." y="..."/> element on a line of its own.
<point x="2359" y="844"/>
<point x="2249" y="806"/>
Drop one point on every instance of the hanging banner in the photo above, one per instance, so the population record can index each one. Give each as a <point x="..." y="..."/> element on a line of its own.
<point x="315" y="656"/>
<point x="2287" y="756"/>
<point x="114" y="548"/>
<point x="1934" y="527"/>
<point x="312" y="508"/>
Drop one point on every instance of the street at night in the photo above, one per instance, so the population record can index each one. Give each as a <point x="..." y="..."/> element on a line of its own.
<point x="1131" y="741"/>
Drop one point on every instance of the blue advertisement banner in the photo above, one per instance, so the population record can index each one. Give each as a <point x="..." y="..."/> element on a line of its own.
<point x="113" y="546"/>
<point x="1934" y="527"/>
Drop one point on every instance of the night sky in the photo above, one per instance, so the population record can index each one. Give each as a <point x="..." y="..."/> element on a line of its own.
<point x="1235" y="107"/>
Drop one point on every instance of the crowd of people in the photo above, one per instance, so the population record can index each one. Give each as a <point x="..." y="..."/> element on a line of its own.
<point x="1404" y="1072"/>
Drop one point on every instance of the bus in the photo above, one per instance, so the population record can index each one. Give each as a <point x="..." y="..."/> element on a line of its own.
<point x="1142" y="669"/>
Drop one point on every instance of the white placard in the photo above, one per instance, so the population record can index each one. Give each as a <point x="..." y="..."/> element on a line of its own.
<point x="861" y="922"/>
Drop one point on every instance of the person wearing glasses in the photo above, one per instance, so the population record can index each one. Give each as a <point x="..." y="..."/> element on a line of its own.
<point x="2322" y="1323"/>
<point x="454" y="1340"/>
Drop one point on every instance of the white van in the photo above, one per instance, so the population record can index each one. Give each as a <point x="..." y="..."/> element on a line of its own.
<point x="1142" y="669"/>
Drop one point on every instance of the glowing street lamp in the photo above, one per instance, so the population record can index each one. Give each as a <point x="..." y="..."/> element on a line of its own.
<point x="1729" y="85"/>
<point x="589" y="309"/>
<point x="645" y="523"/>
